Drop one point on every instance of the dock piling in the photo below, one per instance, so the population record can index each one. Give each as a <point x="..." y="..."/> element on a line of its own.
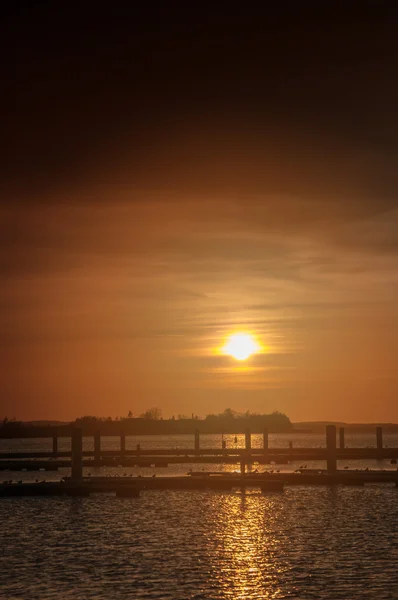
<point x="265" y="442"/>
<point x="331" y="448"/>
<point x="197" y="440"/>
<point x="55" y="445"/>
<point x="97" y="448"/>
<point x="248" y="446"/>
<point x="341" y="438"/>
<point x="122" y="444"/>
<point x="248" y="440"/>
<point x="379" y="440"/>
<point x="77" y="454"/>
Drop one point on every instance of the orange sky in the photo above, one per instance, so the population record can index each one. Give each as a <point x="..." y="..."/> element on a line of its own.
<point x="153" y="205"/>
<point x="117" y="298"/>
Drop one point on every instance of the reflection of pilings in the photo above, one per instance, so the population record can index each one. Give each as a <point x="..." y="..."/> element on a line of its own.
<point x="197" y="440"/>
<point x="379" y="440"/>
<point x="55" y="445"/>
<point x="331" y="448"/>
<point x="97" y="448"/>
<point x="77" y="454"/>
<point x="341" y="437"/>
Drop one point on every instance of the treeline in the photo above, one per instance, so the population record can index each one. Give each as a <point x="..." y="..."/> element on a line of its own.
<point x="152" y="423"/>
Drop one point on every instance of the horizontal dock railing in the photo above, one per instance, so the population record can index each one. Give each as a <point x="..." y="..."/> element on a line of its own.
<point x="77" y="457"/>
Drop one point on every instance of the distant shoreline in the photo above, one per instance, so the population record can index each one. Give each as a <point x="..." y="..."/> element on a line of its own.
<point x="319" y="427"/>
<point x="170" y="427"/>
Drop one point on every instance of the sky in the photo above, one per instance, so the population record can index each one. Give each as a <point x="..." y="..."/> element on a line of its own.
<point x="173" y="174"/>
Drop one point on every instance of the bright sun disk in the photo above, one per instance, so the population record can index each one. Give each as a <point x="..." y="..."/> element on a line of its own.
<point x="241" y="346"/>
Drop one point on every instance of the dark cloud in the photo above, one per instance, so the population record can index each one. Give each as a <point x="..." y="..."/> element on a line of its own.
<point x="95" y="94"/>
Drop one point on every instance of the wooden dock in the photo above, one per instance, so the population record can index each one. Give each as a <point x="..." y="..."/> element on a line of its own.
<point x="131" y="487"/>
<point x="78" y="485"/>
<point x="77" y="458"/>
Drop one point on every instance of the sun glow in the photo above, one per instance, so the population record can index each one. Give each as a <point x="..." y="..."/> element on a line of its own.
<point x="241" y="346"/>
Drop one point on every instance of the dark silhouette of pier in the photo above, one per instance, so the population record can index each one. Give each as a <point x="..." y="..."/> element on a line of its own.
<point x="77" y="458"/>
<point x="243" y="456"/>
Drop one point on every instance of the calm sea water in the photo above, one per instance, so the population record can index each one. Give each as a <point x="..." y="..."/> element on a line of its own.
<point x="309" y="542"/>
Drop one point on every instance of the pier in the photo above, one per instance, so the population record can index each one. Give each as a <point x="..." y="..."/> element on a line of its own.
<point x="77" y="458"/>
<point x="128" y="486"/>
<point x="131" y="487"/>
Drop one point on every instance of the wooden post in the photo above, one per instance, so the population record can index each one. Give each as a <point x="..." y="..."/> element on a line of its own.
<point x="379" y="440"/>
<point x="265" y="441"/>
<point x="197" y="441"/>
<point x="331" y="448"/>
<point x="138" y="449"/>
<point x="291" y="450"/>
<point x="122" y="444"/>
<point x="55" y="445"/>
<point x="248" y="440"/>
<point x="242" y="467"/>
<point x="97" y="448"/>
<point x="341" y="436"/>
<point x="77" y="454"/>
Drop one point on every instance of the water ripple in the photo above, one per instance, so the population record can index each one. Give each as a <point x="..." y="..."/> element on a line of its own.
<point x="321" y="543"/>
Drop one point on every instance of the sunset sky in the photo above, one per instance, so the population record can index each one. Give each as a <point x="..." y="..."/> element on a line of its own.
<point x="174" y="175"/>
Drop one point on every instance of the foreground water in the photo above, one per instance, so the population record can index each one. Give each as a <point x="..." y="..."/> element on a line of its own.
<point x="309" y="542"/>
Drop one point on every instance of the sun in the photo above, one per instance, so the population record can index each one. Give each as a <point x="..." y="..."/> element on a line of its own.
<point x="241" y="346"/>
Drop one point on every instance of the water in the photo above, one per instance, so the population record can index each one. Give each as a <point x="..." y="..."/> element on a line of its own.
<point x="309" y="542"/>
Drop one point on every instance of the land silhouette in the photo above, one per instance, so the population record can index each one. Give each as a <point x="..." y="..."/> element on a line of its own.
<point x="151" y="422"/>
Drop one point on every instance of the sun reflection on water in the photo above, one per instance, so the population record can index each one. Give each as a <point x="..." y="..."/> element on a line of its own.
<point x="244" y="548"/>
